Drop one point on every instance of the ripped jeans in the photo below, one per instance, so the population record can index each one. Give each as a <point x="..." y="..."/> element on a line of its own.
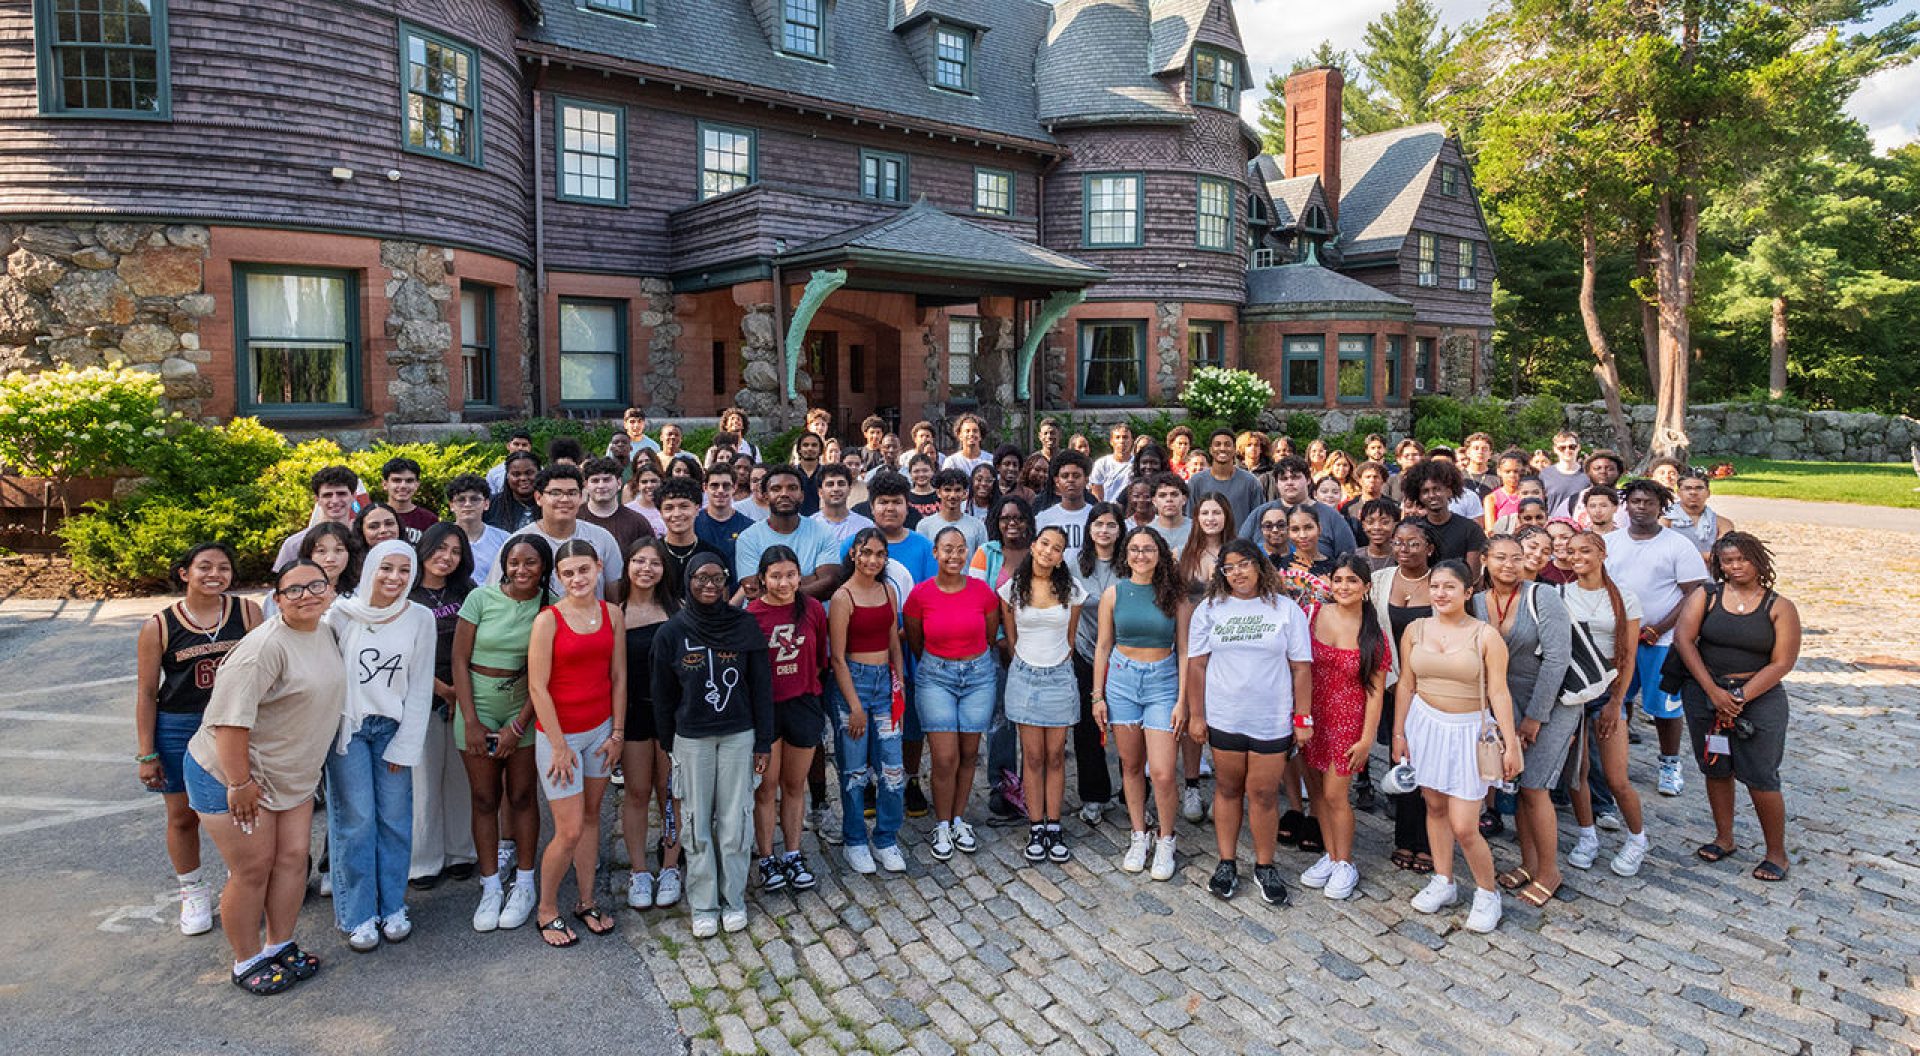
<point x="858" y="757"/>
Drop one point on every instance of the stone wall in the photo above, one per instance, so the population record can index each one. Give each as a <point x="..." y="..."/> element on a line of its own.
<point x="418" y="296"/>
<point x="763" y="387"/>
<point x="107" y="294"/>
<point x="661" y="382"/>
<point x="1766" y="432"/>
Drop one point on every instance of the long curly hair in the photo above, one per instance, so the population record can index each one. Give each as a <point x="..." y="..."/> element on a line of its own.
<point x="1168" y="588"/>
<point x="1060" y="579"/>
<point x="1268" y="578"/>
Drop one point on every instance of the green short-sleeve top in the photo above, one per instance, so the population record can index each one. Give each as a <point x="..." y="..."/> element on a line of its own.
<point x="501" y="627"/>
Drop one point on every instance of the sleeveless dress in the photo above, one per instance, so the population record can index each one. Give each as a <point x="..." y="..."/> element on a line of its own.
<point x="1339" y="702"/>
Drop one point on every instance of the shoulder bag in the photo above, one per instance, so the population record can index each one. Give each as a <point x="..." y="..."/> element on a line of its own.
<point x="1589" y="674"/>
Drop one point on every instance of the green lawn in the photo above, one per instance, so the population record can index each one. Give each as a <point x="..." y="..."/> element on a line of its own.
<point x="1861" y="483"/>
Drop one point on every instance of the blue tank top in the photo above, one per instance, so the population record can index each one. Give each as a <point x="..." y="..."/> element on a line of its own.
<point x="1137" y="622"/>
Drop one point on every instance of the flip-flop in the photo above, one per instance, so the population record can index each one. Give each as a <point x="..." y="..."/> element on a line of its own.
<point x="1514" y="879"/>
<point x="1422" y="863"/>
<point x="1291" y="825"/>
<point x="1401" y="858"/>
<point x="1534" y="894"/>
<point x="591" y="915"/>
<point x="558" y="927"/>
<point x="1769" y="872"/>
<point x="1712" y="852"/>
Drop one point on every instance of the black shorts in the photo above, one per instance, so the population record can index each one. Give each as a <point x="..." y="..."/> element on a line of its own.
<point x="801" y="722"/>
<point x="1222" y="741"/>
<point x="640" y="725"/>
<point x="1753" y="760"/>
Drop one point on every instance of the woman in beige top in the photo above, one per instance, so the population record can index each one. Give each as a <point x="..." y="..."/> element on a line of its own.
<point x="251" y="770"/>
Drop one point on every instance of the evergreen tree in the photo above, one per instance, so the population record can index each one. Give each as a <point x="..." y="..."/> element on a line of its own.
<point x="1403" y="52"/>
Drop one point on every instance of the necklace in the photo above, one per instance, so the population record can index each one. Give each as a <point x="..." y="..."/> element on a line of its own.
<point x="1406" y="597"/>
<point x="1500" y="612"/>
<point x="1728" y="599"/>
<point x="678" y="554"/>
<point x="208" y="632"/>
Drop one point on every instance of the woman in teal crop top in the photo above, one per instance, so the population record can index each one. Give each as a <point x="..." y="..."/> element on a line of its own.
<point x="1136" y="689"/>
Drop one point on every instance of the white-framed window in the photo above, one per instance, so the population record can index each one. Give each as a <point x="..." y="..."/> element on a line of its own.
<point x="1113" y="206"/>
<point x="993" y="192"/>
<point x="1214" y="229"/>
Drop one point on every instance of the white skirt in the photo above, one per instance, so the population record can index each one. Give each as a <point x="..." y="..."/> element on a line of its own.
<point x="1441" y="746"/>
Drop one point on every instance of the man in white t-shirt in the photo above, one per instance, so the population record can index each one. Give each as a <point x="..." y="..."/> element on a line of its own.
<point x="1112" y="473"/>
<point x="970" y="431"/>
<point x="558" y="491"/>
<point x="1069" y="513"/>
<point x="951" y="486"/>
<point x="836" y="484"/>
<point x="1661" y="567"/>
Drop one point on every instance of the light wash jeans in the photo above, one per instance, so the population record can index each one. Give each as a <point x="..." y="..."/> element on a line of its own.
<point x="858" y="757"/>
<point x="713" y="779"/>
<point x="369" y="827"/>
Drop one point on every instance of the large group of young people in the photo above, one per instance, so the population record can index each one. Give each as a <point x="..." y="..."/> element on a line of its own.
<point x="708" y="631"/>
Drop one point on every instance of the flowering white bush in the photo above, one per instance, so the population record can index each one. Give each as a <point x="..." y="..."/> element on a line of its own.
<point x="1235" y="396"/>
<point x="71" y="423"/>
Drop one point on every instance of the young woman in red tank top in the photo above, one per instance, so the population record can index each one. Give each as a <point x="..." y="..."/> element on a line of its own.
<point x="575" y="673"/>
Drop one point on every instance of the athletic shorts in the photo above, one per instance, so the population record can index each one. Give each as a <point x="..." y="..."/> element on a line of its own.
<point x="1646" y="682"/>
<point x="802" y="721"/>
<point x="1222" y="741"/>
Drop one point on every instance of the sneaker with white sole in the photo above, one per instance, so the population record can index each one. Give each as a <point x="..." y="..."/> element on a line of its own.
<point x="799" y="875"/>
<point x="640" y="890"/>
<point x="1139" y="845"/>
<point x="1057" y="849"/>
<point x="1163" y="861"/>
<point x="486" y="916"/>
<point x="1091" y="813"/>
<point x="1341" y="884"/>
<point x="1437" y="895"/>
<point x="519" y="905"/>
<point x="773" y="876"/>
<point x="1672" y="780"/>
<point x="1272" y="889"/>
<point x="890" y="858"/>
<point x="1609" y="820"/>
<point x="396" y="927"/>
<point x="1585" y="850"/>
<point x="860" y="859"/>
<point x="964" y="840"/>
<point x="1191" y="806"/>
<point x="666" y="891"/>
<point x="705" y="925"/>
<point x="942" y="842"/>
<point x="326" y="883"/>
<point x="733" y="920"/>
<point x="196" y="908"/>
<point x="1318" y="873"/>
<point x="366" y="937"/>
<point x="1485" y="914"/>
<point x="1632" y="853"/>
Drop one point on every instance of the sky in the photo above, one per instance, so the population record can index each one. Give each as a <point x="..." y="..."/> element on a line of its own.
<point x="1276" y="32"/>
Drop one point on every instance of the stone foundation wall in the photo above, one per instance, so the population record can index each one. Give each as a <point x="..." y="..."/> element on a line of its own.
<point x="418" y="298"/>
<point x="1766" y="432"/>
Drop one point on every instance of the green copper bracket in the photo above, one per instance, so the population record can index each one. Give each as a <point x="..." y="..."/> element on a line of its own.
<point x="821" y="284"/>
<point x="1050" y="313"/>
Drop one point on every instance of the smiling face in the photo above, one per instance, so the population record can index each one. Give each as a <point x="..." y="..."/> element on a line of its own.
<point x="809" y="448"/>
<point x="1506" y="563"/>
<point x="335" y="501"/>
<point x="645" y="569"/>
<point x="1538" y="551"/>
<point x="920" y="474"/>
<point x="522" y="570"/>
<point x="1448" y="591"/>
<point x="1049" y="549"/>
<point x="870" y="558"/>
<point x="561" y="499"/>
<point x="782" y="582"/>
<point x="380" y="525"/>
<point x="1210" y="518"/>
<point x="1273" y="531"/>
<point x="1411" y="549"/>
<point x="602" y="488"/>
<point x="331" y="555"/>
<point x="1103" y="531"/>
<point x="401" y="487"/>
<point x="834" y="489"/>
<point x="1013" y="528"/>
<point x="951" y="553"/>
<point x="670" y="437"/>
<point x="1329" y="491"/>
<point x="1586" y="554"/>
<point x="578" y="576"/>
<point x="968" y="434"/>
<point x="1379" y="529"/>
<point x="708" y="585"/>
<point x="210" y="573"/>
<point x="391" y="580"/>
<point x="678" y="514"/>
<point x="445" y="559"/>
<point x="302" y="595"/>
<point x="1221" y="450"/>
<point x="1346" y="586"/>
<point x="1303" y="531"/>
<point x="1140" y="501"/>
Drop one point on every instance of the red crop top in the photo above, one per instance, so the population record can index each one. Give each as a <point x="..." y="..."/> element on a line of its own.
<point x="868" y="627"/>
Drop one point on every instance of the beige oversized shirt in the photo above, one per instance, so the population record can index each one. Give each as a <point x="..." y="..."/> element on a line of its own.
<point x="288" y="688"/>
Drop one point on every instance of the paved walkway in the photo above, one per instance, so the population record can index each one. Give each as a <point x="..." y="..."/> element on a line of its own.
<point x="1744" y="508"/>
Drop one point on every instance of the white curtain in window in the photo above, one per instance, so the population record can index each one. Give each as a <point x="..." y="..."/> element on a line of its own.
<point x="309" y="307"/>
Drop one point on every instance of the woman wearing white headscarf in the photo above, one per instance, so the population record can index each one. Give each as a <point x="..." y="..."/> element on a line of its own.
<point x="387" y="645"/>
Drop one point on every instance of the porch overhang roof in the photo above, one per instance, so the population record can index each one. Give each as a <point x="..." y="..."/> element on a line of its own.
<point x="923" y="249"/>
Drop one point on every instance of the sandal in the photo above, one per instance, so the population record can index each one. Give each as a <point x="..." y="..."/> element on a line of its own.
<point x="1712" y="852"/>
<point x="558" y="927"/>
<point x="1401" y="858"/>
<point x="1291" y="824"/>
<point x="1514" y="879"/>
<point x="267" y="977"/>
<point x="1769" y="872"/>
<point x="302" y="964"/>
<point x="1311" y="839"/>
<point x="1422" y="863"/>
<point x="1535" y="894"/>
<point x="592" y="915"/>
<point x="1491" y="823"/>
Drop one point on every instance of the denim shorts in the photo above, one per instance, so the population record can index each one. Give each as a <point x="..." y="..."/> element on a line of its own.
<point x="956" y="696"/>
<point x="171" y="732"/>
<point x="1141" y="693"/>
<point x="1042" y="696"/>
<point x="587" y="760"/>
<point x="205" y="793"/>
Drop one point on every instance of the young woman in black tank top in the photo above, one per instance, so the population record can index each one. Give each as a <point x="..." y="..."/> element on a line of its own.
<point x="179" y="650"/>
<point x="649" y="592"/>
<point x="1739" y="640"/>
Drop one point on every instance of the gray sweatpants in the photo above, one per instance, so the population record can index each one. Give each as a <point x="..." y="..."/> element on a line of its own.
<point x="713" y="779"/>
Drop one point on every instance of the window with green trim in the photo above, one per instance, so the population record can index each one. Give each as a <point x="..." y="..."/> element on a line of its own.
<point x="441" y="81"/>
<point x="593" y="352"/>
<point x="963" y="344"/>
<point x="1215" y="228"/>
<point x="1429" y="248"/>
<point x="726" y="159"/>
<point x="1113" y="361"/>
<point x="476" y="344"/>
<point x="629" y="8"/>
<point x="1206" y="345"/>
<point x="883" y="175"/>
<point x="993" y="192"/>
<point x="1353" y="378"/>
<point x="102" y="58"/>
<point x="1300" y="369"/>
<point x="1469" y="265"/>
<point x="592" y="141"/>
<point x="298" y="332"/>
<point x="953" y="58"/>
<point x="1112" y="207"/>
<point x="1216" y="78"/>
<point x="803" y="27"/>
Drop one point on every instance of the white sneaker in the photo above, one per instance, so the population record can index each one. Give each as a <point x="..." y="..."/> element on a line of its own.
<point x="504" y="857"/>
<point x="1609" y="820"/>
<point x="667" y="891"/>
<point x="1672" y="781"/>
<point x="1485" y="915"/>
<point x="487" y="916"/>
<point x="733" y="920"/>
<point x="196" y="909"/>
<point x="942" y="841"/>
<point x="1206" y="761"/>
<point x="705" y="925"/>
<point x="326" y="883"/>
<point x="1341" y="884"/>
<point x="640" y="889"/>
<point x="1632" y="854"/>
<point x="1585" y="850"/>
<point x="1163" y="864"/>
<point x="366" y="937"/>
<point x="519" y="906"/>
<point x="1191" y="807"/>
<point x="1091" y="813"/>
<point x="396" y="928"/>
<point x="890" y="858"/>
<point x="860" y="859"/>
<point x="963" y="838"/>
<point x="1439" y="893"/>
<point x="1318" y="873"/>
<point x="1137" y="848"/>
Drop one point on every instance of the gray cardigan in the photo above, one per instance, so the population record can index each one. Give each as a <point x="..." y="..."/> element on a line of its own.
<point x="1538" y="652"/>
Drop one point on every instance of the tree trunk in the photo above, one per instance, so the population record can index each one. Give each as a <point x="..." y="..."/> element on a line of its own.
<point x="1675" y="243"/>
<point x="1649" y="318"/>
<point x="1777" y="358"/>
<point x="1606" y="370"/>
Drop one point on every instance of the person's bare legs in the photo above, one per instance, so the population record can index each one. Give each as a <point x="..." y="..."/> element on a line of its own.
<point x="484" y="777"/>
<point x="250" y="861"/>
<point x="663" y="795"/>
<point x="1440" y="831"/>
<point x="966" y="761"/>
<point x="1229" y="792"/>
<point x="766" y="802"/>
<point x="183" y="834"/>
<point x="1771" y="808"/>
<point x="1578" y="790"/>
<point x="287" y="885"/>
<point x="636" y="762"/>
<point x="523" y="807"/>
<point x="1463" y="817"/>
<point x="1613" y="760"/>
<point x="945" y="748"/>
<point x="1132" y="743"/>
<point x="1265" y="774"/>
<point x="1033" y="771"/>
<point x="586" y="850"/>
<point x="793" y="793"/>
<point x="1290" y="784"/>
<point x="568" y="821"/>
<point x="1161" y="753"/>
<point x="1056" y="769"/>
<point x="1670" y="733"/>
<point x="1335" y="811"/>
<point x="1539" y="831"/>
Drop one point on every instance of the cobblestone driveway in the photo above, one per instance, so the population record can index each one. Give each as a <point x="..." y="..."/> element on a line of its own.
<point x="992" y="954"/>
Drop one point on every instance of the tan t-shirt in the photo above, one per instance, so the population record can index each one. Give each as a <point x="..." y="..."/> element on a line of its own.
<point x="288" y="688"/>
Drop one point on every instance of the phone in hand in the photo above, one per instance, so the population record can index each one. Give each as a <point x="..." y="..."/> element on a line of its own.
<point x="493" y="743"/>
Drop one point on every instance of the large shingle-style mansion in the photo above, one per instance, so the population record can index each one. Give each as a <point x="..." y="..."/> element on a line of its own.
<point x="340" y="214"/>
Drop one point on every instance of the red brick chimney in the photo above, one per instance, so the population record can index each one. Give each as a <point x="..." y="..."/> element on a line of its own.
<point x="1313" y="130"/>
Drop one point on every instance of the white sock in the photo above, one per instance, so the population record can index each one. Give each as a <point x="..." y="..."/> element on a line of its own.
<point x="188" y="879"/>
<point x="242" y="967"/>
<point x="1638" y="837"/>
<point x="1588" y="832"/>
<point x="523" y="876"/>
<point x="274" y="950"/>
<point x="490" y="885"/>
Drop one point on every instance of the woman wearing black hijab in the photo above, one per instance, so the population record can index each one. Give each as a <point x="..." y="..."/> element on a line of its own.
<point x="713" y="706"/>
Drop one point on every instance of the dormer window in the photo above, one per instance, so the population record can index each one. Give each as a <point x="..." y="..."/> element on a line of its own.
<point x="1315" y="221"/>
<point x="1216" y="79"/>
<point x="803" y="28"/>
<point x="953" y="58"/>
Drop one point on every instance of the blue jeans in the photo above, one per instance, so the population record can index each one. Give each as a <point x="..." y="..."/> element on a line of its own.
<point x="369" y="827"/>
<point x="956" y="696"/>
<point x="878" y="748"/>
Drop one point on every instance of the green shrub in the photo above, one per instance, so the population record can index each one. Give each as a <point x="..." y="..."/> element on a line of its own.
<point x="201" y="458"/>
<point x="1303" y="429"/>
<point x="696" y="440"/>
<point x="1533" y="425"/>
<point x="1159" y="425"/>
<point x="593" y="433"/>
<point x="1234" y="396"/>
<point x="779" y="447"/>
<point x="1371" y="423"/>
<point x="1437" y="417"/>
<point x="66" y="423"/>
<point x="132" y="544"/>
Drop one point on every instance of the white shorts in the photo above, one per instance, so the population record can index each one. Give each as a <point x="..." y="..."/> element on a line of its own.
<point x="587" y="760"/>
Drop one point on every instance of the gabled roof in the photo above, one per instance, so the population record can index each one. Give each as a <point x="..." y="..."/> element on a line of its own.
<point x="1310" y="287"/>
<point x="1176" y="23"/>
<point x="870" y="68"/>
<point x="1097" y="63"/>
<point x="923" y="237"/>
<point x="1383" y="177"/>
<point x="1291" y="198"/>
<point x="963" y="12"/>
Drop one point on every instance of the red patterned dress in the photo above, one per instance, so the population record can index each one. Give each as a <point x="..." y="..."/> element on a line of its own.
<point x="1339" y="702"/>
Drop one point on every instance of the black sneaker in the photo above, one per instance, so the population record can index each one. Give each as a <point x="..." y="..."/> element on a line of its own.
<point x="1036" y="843"/>
<point x="917" y="805"/>
<point x="1225" y="880"/>
<point x="773" y="876"/>
<point x="1057" y="847"/>
<point x="799" y="876"/>
<point x="867" y="798"/>
<point x="1272" y="888"/>
<point x="1363" y="794"/>
<point x="1002" y="812"/>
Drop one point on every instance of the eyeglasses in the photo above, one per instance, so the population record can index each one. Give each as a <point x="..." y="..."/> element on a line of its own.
<point x="301" y="590"/>
<point x="1142" y="551"/>
<point x="1234" y="568"/>
<point x="1273" y="526"/>
<point x="1408" y="544"/>
<point x="470" y="498"/>
<point x="1566" y="447"/>
<point x="713" y="579"/>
